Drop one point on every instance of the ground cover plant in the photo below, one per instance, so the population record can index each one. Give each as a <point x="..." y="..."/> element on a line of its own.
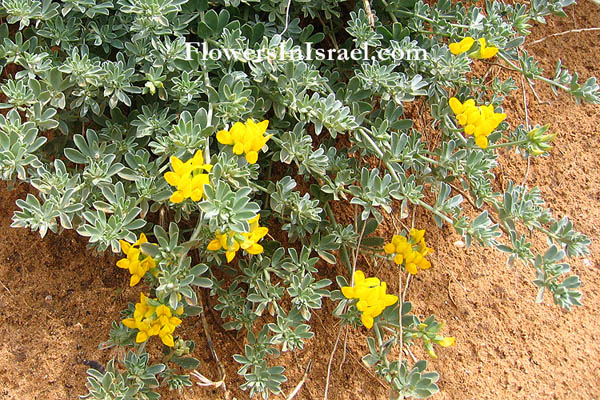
<point x="220" y="175"/>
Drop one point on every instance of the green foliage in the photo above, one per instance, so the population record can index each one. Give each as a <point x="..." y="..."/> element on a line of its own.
<point x="101" y="94"/>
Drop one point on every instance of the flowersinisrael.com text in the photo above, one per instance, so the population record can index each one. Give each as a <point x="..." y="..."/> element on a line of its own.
<point x="305" y="53"/>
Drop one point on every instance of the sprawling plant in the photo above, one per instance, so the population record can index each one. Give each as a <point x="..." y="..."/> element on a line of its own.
<point x="208" y="142"/>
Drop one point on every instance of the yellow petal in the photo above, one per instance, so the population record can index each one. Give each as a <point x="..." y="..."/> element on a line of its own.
<point x="124" y="246"/>
<point x="411" y="268"/>
<point x="252" y="157"/>
<point x="255" y="249"/>
<point x="123" y="263"/>
<point x="447" y="341"/>
<point x="238" y="131"/>
<point x="262" y="126"/>
<point x="367" y="321"/>
<point x="417" y="235"/>
<point x="214" y="245"/>
<point x="197" y="194"/>
<point x="198" y="158"/>
<point x="141" y="337"/>
<point x="398" y="259"/>
<point x="462" y="46"/>
<point x="177" y="197"/>
<point x="230" y="255"/>
<point x="238" y="148"/>
<point x="163" y="310"/>
<point x="348" y="292"/>
<point x="176" y="163"/>
<point x="456" y="106"/>
<point x="172" y="178"/>
<point x="359" y="277"/>
<point x="129" y="322"/>
<point x="389" y="300"/>
<point x="168" y="340"/>
<point x="135" y="279"/>
<point x="389" y="248"/>
<point x="481" y="141"/>
<point x="224" y="137"/>
<point x="148" y="263"/>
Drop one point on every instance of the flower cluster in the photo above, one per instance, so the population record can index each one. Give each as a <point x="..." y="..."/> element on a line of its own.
<point x="135" y="261"/>
<point x="246" y="138"/>
<point x="465" y="45"/>
<point x="539" y="140"/>
<point x="411" y="252"/>
<point x="478" y="121"/>
<point x="371" y="295"/>
<point x="462" y="46"/>
<point x="233" y="241"/>
<point x="151" y="318"/>
<point x="188" y="177"/>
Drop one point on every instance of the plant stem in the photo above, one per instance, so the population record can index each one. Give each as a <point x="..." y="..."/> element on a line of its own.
<point x="538" y="77"/>
<point x="507" y="144"/>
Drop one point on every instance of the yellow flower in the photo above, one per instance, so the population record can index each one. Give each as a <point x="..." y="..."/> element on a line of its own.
<point x="411" y="252"/>
<point x="447" y="341"/>
<point x="477" y="121"/>
<point x="462" y="46"/>
<point x="371" y="295"/>
<point x="417" y="235"/>
<point x="231" y="242"/>
<point x="135" y="262"/>
<point x="188" y="177"/>
<point x="484" y="51"/>
<point x="153" y="321"/>
<point x="168" y="323"/>
<point x="246" y="138"/>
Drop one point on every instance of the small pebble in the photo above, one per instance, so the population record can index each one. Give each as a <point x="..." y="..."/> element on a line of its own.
<point x="459" y="243"/>
<point x="48" y="298"/>
<point x="587" y="262"/>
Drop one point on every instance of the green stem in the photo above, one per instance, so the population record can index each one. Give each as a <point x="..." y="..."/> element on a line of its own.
<point x="257" y="186"/>
<point x="430" y="160"/>
<point x="538" y="77"/>
<point x="394" y="174"/>
<point x="436" y="212"/>
<point x="507" y="144"/>
<point x="431" y="21"/>
<point x="343" y="248"/>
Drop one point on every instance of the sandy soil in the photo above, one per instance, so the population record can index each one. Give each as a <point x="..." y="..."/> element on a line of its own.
<point x="57" y="299"/>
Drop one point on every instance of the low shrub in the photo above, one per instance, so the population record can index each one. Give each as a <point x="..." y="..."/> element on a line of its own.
<point x="206" y="142"/>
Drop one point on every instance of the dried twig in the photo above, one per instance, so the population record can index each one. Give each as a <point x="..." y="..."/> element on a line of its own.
<point x="370" y="15"/>
<point x="301" y="383"/>
<point x="337" y="340"/>
<point x="213" y="352"/>
<point x="527" y="127"/>
<point x="563" y="33"/>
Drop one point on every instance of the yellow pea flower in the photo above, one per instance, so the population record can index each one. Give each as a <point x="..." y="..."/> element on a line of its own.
<point x="447" y="341"/>
<point x="479" y="121"/>
<point x="410" y="253"/>
<point x="189" y="177"/>
<point x="153" y="321"/>
<point x="246" y="138"/>
<point x="371" y="295"/>
<point x="231" y="242"/>
<point x="484" y="51"/>
<point x="135" y="261"/>
<point x="462" y="46"/>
